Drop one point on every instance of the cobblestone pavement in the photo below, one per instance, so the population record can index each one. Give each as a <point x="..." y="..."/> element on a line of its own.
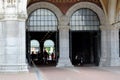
<point x="73" y="73"/>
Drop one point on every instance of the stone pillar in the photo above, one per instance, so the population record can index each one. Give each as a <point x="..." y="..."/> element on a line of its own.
<point x="22" y="46"/>
<point x="109" y="46"/>
<point x="12" y="36"/>
<point x="2" y="56"/>
<point x="64" y="60"/>
<point x="2" y="45"/>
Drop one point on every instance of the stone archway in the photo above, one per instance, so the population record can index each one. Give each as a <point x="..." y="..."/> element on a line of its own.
<point x="49" y="6"/>
<point x="98" y="11"/>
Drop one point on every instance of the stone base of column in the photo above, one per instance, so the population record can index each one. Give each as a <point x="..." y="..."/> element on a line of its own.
<point x="115" y="62"/>
<point x="104" y="62"/>
<point x="14" y="68"/>
<point x="107" y="62"/>
<point x="64" y="62"/>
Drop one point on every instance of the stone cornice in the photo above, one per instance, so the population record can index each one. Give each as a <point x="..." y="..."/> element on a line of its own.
<point x="21" y="17"/>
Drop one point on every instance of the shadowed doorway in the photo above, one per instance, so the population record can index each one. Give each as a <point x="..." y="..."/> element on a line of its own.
<point x="84" y="37"/>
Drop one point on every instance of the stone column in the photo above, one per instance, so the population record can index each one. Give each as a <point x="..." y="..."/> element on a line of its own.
<point x="22" y="45"/>
<point x="2" y="45"/>
<point x="64" y="60"/>
<point x="13" y="41"/>
<point x="109" y="46"/>
<point x="2" y="39"/>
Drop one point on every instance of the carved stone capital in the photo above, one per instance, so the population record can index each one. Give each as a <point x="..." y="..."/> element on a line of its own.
<point x="64" y="20"/>
<point x="63" y="27"/>
<point x="10" y="17"/>
<point x="22" y="16"/>
<point x="109" y="27"/>
<point x="117" y="24"/>
<point x="11" y="2"/>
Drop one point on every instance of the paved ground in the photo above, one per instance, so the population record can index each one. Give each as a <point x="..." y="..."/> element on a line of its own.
<point x="18" y="76"/>
<point x="76" y="73"/>
<point x="80" y="73"/>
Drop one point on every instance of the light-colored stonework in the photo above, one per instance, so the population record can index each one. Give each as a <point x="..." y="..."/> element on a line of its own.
<point x="13" y="14"/>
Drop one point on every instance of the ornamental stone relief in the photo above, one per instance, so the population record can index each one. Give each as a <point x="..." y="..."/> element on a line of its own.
<point x="11" y="1"/>
<point x="1" y="10"/>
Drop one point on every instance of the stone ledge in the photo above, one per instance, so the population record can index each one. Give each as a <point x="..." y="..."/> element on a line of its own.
<point x="13" y="68"/>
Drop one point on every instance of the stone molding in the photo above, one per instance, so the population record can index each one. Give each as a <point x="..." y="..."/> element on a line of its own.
<point x="12" y="17"/>
<point x="13" y="10"/>
<point x="22" y="9"/>
<point x="13" y="68"/>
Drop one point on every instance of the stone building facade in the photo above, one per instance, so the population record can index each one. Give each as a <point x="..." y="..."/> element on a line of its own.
<point x="13" y="16"/>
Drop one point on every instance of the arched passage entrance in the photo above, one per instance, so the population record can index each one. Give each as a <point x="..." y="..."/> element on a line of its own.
<point x="34" y="46"/>
<point x="49" y="48"/>
<point x="42" y="25"/>
<point x="84" y="37"/>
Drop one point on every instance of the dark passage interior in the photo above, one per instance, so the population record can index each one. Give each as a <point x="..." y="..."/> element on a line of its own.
<point x="85" y="48"/>
<point x="39" y="57"/>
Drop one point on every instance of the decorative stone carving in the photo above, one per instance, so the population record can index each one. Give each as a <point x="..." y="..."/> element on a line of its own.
<point x="109" y="27"/>
<point x="22" y="9"/>
<point x="22" y="16"/>
<point x="61" y="28"/>
<point x="1" y="9"/>
<point x="116" y="24"/>
<point x="11" y="1"/>
<point x="64" y="20"/>
<point x="63" y="23"/>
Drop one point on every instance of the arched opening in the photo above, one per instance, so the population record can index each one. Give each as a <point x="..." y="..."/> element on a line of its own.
<point x="42" y="25"/>
<point x="49" y="51"/>
<point x="34" y="47"/>
<point x="34" y="50"/>
<point x="84" y="37"/>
